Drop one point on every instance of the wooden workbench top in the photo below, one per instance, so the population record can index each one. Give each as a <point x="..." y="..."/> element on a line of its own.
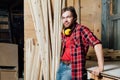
<point x="111" y="68"/>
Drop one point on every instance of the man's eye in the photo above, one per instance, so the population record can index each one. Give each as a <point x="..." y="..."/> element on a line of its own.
<point x="63" y="17"/>
<point x="68" y="16"/>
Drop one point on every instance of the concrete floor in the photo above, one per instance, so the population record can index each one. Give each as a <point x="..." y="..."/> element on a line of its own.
<point x="20" y="79"/>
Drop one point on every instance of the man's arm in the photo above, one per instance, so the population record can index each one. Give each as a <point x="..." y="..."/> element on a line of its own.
<point x="99" y="54"/>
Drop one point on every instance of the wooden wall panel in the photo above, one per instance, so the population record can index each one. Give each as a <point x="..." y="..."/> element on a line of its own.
<point x="77" y="7"/>
<point x="70" y="2"/>
<point x="91" y="15"/>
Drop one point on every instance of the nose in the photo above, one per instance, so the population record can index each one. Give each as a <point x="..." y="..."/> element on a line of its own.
<point x="65" y="20"/>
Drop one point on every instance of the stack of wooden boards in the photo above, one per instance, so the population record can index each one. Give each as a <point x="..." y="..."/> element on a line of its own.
<point x="8" y="61"/>
<point x="109" y="54"/>
<point x="5" y="28"/>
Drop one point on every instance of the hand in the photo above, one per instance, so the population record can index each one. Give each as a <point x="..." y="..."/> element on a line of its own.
<point x="97" y="71"/>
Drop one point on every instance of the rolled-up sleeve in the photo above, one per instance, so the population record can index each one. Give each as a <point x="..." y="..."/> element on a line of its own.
<point x="90" y="38"/>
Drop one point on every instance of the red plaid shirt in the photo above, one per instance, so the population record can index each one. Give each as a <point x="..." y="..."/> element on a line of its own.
<point x="81" y="38"/>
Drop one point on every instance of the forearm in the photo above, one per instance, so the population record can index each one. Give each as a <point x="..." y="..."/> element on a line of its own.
<point x="99" y="54"/>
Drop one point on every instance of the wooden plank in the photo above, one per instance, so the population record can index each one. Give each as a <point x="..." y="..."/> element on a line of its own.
<point x="93" y="77"/>
<point x="54" y="47"/>
<point x="103" y="77"/>
<point x="115" y="17"/>
<point x="35" y="64"/>
<point x="3" y="26"/>
<point x="8" y="75"/>
<point x="3" y="18"/>
<point x="50" y="21"/>
<point x="29" y="29"/>
<point x="28" y="58"/>
<point x="39" y="14"/>
<point x="46" y="54"/>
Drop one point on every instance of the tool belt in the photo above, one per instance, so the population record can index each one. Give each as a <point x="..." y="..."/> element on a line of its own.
<point x="66" y="62"/>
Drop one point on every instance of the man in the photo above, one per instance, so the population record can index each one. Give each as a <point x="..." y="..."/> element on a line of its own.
<point x="76" y="39"/>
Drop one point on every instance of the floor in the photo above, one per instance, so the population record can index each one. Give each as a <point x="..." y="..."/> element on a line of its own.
<point x="20" y="79"/>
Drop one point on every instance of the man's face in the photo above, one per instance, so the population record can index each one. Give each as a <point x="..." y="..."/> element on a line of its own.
<point x="67" y="19"/>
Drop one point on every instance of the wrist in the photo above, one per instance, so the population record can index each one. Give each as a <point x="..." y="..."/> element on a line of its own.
<point x="101" y="68"/>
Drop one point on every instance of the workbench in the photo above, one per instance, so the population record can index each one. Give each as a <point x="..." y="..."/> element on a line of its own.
<point x="111" y="70"/>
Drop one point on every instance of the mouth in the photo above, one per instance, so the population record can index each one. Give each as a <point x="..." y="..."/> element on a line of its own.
<point x="66" y="23"/>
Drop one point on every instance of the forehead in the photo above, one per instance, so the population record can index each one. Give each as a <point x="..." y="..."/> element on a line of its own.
<point x="66" y="13"/>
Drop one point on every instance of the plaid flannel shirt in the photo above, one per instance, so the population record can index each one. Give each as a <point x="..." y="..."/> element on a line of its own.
<point x="81" y="38"/>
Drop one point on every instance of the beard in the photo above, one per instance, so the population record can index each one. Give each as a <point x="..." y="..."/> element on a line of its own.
<point x="70" y="26"/>
<point x="67" y="24"/>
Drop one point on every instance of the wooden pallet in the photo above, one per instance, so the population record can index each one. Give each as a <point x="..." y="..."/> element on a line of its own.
<point x="109" y="54"/>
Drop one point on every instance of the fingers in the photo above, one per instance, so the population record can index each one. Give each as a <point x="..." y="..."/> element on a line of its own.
<point x="96" y="72"/>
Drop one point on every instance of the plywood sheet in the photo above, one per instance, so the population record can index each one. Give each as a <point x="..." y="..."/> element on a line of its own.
<point x="91" y="15"/>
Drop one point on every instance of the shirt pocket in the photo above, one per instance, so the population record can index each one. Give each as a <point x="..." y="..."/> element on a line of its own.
<point x="75" y="42"/>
